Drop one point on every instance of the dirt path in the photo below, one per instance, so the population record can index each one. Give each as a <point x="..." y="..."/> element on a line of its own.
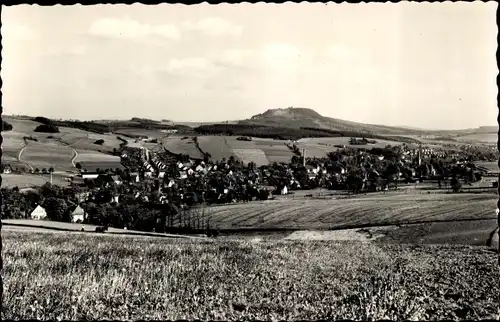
<point x="20" y="154"/>
<point x="74" y="157"/>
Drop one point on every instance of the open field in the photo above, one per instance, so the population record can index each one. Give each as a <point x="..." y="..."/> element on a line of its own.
<point x="30" y="180"/>
<point x="140" y="132"/>
<point x="102" y="277"/>
<point x="177" y="145"/>
<point x="275" y="150"/>
<point x="45" y="155"/>
<point x="481" y="137"/>
<point x="362" y="211"/>
<point x="490" y="166"/>
<point x="56" y="226"/>
<point x="12" y="144"/>
<point x="319" y="147"/>
<point x="474" y="233"/>
<point x="216" y="146"/>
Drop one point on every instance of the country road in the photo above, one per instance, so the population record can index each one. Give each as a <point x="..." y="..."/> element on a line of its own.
<point x="74" y="158"/>
<point x="19" y="157"/>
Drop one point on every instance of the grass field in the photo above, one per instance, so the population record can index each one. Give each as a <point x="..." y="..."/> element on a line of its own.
<point x="140" y="132"/>
<point x="480" y="137"/>
<point x="216" y="146"/>
<point x="490" y="166"/>
<point x="275" y="150"/>
<point x="45" y="155"/>
<point x="301" y="213"/>
<point x="29" y="180"/>
<point x="177" y="145"/>
<point x="319" y="147"/>
<point x="77" y="277"/>
<point x="92" y="156"/>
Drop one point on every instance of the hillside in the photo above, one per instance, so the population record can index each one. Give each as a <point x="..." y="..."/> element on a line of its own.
<point x="305" y="117"/>
<point x="308" y="118"/>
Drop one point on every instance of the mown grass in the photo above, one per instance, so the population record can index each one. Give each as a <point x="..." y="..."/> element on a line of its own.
<point x="56" y="276"/>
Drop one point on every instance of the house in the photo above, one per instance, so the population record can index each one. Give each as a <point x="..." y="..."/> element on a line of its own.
<point x="7" y="169"/>
<point x="78" y="215"/>
<point x="39" y="213"/>
<point x="90" y="175"/>
<point x="284" y="190"/>
<point x="135" y="177"/>
<point x="116" y="179"/>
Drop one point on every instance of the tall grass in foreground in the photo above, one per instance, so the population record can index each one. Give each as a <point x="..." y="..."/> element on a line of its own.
<point x="57" y="276"/>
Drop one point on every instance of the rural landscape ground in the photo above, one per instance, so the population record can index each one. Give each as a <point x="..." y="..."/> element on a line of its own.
<point x="419" y="252"/>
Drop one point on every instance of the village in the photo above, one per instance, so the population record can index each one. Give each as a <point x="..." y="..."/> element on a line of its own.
<point x="154" y="186"/>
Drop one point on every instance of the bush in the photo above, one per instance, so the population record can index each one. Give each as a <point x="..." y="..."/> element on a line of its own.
<point x="99" y="142"/>
<point x="6" y="126"/>
<point x="47" y="128"/>
<point x="43" y="120"/>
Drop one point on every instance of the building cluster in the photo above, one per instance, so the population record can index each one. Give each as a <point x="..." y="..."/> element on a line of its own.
<point x="160" y="178"/>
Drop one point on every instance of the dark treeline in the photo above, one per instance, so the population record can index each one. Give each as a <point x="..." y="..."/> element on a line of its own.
<point x="285" y="133"/>
<point x="102" y="128"/>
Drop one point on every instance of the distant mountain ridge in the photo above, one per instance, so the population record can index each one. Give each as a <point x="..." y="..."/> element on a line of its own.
<point x="298" y="117"/>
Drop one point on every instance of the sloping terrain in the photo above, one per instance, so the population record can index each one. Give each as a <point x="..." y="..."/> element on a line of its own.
<point x="362" y="211"/>
<point x="305" y="117"/>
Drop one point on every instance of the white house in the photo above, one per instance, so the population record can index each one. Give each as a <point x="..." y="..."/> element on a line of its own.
<point x="90" y="175"/>
<point x="78" y="215"/>
<point x="38" y="213"/>
<point x="136" y="177"/>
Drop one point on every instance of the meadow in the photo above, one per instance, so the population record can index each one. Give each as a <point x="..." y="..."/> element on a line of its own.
<point x="479" y="137"/>
<point x="216" y="146"/>
<point x="47" y="155"/>
<point x="177" y="145"/>
<point x="30" y="180"/>
<point x="80" y="277"/>
<point x="357" y="211"/>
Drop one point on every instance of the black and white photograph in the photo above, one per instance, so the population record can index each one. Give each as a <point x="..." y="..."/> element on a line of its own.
<point x="240" y="162"/>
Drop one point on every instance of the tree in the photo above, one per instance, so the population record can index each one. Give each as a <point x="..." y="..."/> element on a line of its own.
<point x="37" y="170"/>
<point x="57" y="209"/>
<point x="455" y="184"/>
<point x="45" y="128"/>
<point x="6" y="126"/>
<point x="78" y="166"/>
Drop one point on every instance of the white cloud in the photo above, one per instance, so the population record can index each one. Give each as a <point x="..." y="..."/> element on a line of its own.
<point x="214" y="26"/>
<point x="128" y="28"/>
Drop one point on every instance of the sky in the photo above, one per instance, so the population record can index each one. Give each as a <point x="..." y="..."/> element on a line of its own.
<point x="427" y="65"/>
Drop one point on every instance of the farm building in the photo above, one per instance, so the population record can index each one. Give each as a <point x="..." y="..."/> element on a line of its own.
<point x="90" y="175"/>
<point x="7" y="169"/>
<point x="38" y="213"/>
<point x="135" y="177"/>
<point x="78" y="215"/>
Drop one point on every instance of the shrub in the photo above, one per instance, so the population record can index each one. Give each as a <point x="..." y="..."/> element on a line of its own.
<point x="47" y="128"/>
<point x="99" y="142"/>
<point x="43" y="120"/>
<point x="6" y="126"/>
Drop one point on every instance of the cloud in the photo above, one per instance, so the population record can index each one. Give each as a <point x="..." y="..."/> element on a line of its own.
<point x="214" y="26"/>
<point x="128" y="28"/>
